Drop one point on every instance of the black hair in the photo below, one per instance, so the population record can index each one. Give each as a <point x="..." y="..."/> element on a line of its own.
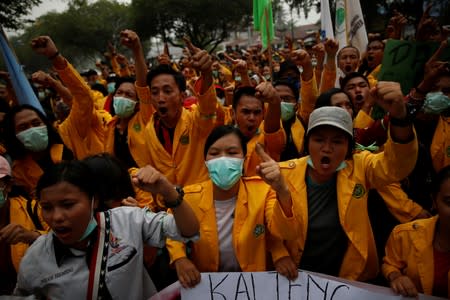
<point x="222" y="131"/>
<point x="325" y="98"/>
<point x="290" y="85"/>
<point x="74" y="172"/>
<point x="111" y="177"/>
<point x="15" y="148"/>
<point x="99" y="87"/>
<point x="244" y="91"/>
<point x="166" y="69"/>
<point x="285" y="66"/>
<point x="439" y="179"/>
<point x="350" y="76"/>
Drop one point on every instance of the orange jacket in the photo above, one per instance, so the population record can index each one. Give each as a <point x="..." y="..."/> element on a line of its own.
<point x="440" y="146"/>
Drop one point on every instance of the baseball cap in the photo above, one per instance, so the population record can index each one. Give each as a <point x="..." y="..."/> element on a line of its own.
<point x="332" y="116"/>
<point x="5" y="168"/>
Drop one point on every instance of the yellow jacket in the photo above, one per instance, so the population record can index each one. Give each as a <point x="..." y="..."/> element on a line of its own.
<point x="308" y="95"/>
<point x="136" y="126"/>
<point x="362" y="120"/>
<point x="273" y="144"/>
<point x="81" y="131"/>
<point x="185" y="165"/>
<point x="440" y="146"/>
<point x="257" y="213"/>
<point x="19" y="215"/>
<point x="364" y="171"/>
<point x="26" y="172"/>
<point x="409" y="250"/>
<point x="398" y="203"/>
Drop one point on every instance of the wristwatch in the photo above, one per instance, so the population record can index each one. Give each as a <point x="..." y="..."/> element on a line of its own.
<point x="177" y="202"/>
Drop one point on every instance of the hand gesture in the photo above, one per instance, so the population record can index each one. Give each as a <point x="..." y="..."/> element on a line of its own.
<point x="404" y="286"/>
<point x="130" y="39"/>
<point x="269" y="170"/>
<point x="427" y="26"/>
<point x="122" y="60"/>
<point x="331" y="47"/>
<point x="151" y="180"/>
<point x="44" y="45"/>
<point x="42" y="78"/>
<point x="287" y="267"/>
<point x="187" y="273"/>
<point x="15" y="233"/>
<point x="268" y="93"/>
<point x="301" y="58"/>
<point x="396" y="25"/>
<point x="240" y="65"/>
<point x="130" y="201"/>
<point x="389" y="96"/>
<point x="201" y="60"/>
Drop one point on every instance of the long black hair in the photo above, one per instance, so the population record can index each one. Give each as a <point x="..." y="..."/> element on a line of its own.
<point x="15" y="148"/>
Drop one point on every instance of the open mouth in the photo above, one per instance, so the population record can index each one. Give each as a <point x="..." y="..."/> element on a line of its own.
<point x="359" y="98"/>
<point x="325" y="162"/>
<point x="62" y="232"/>
<point x="369" y="58"/>
<point x="162" y="110"/>
<point x="348" y="69"/>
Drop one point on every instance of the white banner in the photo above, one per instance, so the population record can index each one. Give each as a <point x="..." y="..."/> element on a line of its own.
<point x="273" y="286"/>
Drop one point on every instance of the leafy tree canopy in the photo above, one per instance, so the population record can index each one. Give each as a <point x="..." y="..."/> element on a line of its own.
<point x="12" y="12"/>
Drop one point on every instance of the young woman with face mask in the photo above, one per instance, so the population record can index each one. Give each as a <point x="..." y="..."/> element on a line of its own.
<point x="34" y="145"/>
<point x="20" y="225"/>
<point x="236" y="214"/>
<point x="418" y="253"/>
<point x="90" y="255"/>
<point x="329" y="188"/>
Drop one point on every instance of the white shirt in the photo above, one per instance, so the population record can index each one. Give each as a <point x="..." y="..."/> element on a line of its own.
<point x="225" y="220"/>
<point x="126" y="278"/>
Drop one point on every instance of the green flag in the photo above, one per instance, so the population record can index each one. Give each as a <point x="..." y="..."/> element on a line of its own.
<point x="263" y="20"/>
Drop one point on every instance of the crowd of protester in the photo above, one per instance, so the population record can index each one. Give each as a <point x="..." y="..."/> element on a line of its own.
<point x="137" y="175"/>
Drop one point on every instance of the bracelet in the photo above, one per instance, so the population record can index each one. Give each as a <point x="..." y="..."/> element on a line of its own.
<point x="54" y="55"/>
<point x="179" y="200"/>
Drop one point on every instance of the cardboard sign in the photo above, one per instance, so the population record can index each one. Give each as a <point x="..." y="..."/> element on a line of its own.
<point x="404" y="62"/>
<point x="273" y="286"/>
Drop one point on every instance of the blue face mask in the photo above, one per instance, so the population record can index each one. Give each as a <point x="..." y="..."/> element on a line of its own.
<point x="34" y="139"/>
<point x="436" y="103"/>
<point x="341" y="166"/>
<point x="92" y="224"/>
<point x="111" y="87"/>
<point x="225" y="171"/>
<point x="287" y="110"/>
<point x="123" y="107"/>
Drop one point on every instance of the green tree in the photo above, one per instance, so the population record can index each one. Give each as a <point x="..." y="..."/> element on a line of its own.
<point x="12" y="12"/>
<point x="82" y="32"/>
<point x="206" y="23"/>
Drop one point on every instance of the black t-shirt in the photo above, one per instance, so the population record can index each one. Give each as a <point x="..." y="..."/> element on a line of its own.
<point x="326" y="242"/>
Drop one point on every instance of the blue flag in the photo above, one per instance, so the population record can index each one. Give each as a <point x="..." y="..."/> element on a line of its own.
<point x="20" y="83"/>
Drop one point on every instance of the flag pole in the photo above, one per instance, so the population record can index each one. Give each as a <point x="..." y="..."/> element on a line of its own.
<point x="269" y="44"/>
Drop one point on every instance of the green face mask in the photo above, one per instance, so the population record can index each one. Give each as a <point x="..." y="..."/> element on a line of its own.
<point x="123" y="107"/>
<point x="225" y="171"/>
<point x="3" y="197"/>
<point x="436" y="103"/>
<point x="287" y="110"/>
<point x="34" y="139"/>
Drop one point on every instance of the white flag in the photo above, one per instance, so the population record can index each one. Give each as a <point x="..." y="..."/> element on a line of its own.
<point x="326" y="30"/>
<point x="349" y="25"/>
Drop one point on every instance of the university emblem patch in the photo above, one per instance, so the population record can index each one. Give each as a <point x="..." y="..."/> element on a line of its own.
<point x="358" y="191"/>
<point x="259" y="229"/>
<point x="184" y="139"/>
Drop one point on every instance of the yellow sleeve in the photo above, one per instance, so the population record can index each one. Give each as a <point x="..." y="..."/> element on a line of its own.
<point x="328" y="80"/>
<point x="276" y="248"/>
<point x="393" y="260"/>
<point x="440" y="154"/>
<point x="176" y="250"/>
<point x="398" y="203"/>
<point x="309" y="93"/>
<point x="280" y="226"/>
<point x="146" y="109"/>
<point x="274" y="143"/>
<point x="207" y="102"/>
<point x="115" y="65"/>
<point x="362" y="120"/>
<point x="393" y="164"/>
